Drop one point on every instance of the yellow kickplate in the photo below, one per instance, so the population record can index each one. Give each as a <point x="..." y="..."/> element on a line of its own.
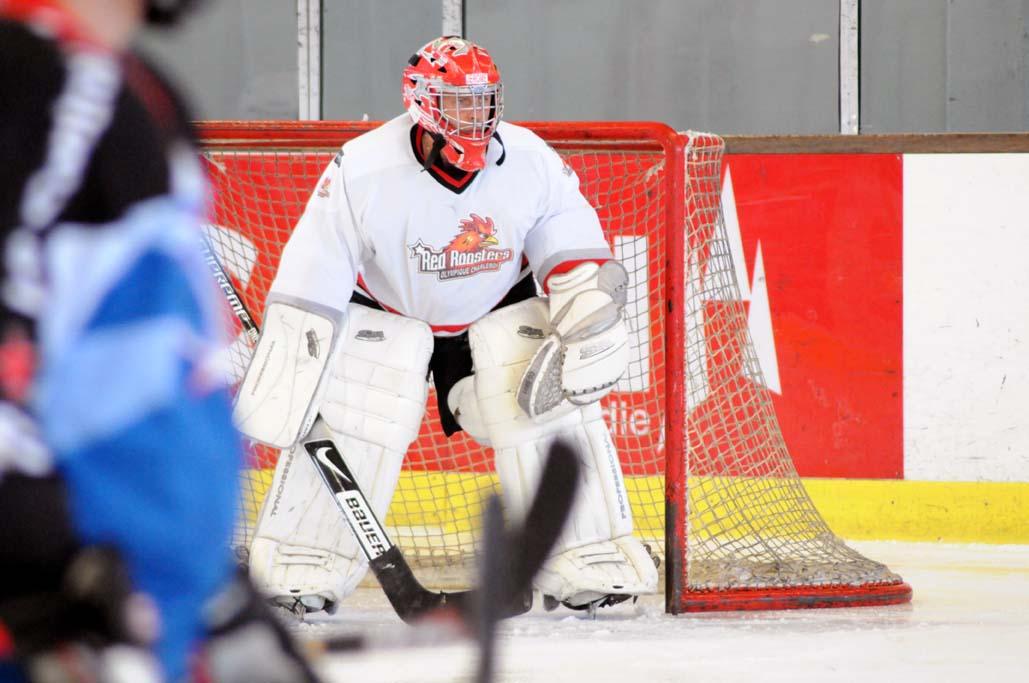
<point x="969" y="512"/>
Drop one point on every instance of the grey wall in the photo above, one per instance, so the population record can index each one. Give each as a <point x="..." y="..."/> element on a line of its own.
<point x="732" y="66"/>
<point x="742" y="66"/>
<point x="365" y="46"/>
<point x="960" y="65"/>
<point x="235" y="59"/>
<point x="757" y="66"/>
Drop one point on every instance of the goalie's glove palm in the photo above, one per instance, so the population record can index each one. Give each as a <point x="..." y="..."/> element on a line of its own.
<point x="580" y="361"/>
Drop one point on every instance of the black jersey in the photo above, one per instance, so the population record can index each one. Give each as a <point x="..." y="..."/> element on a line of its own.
<point x="85" y="134"/>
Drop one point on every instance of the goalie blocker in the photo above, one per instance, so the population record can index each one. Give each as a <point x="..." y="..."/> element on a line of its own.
<point x="368" y="384"/>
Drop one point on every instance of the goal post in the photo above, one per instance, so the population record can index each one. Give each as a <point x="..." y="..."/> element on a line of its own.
<point x="751" y="536"/>
<point x="711" y="483"/>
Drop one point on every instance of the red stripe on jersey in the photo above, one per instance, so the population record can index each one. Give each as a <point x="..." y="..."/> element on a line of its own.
<point x="567" y="266"/>
<point x="53" y="18"/>
<point x="6" y="643"/>
<point x="17" y="364"/>
<point x="444" y="174"/>
<point x="452" y="329"/>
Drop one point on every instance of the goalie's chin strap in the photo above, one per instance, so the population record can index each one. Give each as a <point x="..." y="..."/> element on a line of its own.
<point x="439" y="142"/>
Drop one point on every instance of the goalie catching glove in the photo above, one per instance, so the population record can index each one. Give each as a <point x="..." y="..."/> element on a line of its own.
<point x="587" y="350"/>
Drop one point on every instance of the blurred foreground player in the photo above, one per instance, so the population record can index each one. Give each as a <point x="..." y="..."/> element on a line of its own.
<point x="419" y="251"/>
<point x="118" y="460"/>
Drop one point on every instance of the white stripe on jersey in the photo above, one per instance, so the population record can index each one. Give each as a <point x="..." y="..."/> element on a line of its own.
<point x="82" y="112"/>
<point x="21" y="446"/>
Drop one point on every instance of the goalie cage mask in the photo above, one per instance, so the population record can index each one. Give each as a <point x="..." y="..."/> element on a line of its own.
<point x="452" y="89"/>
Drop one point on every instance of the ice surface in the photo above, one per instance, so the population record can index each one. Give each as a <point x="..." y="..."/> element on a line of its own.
<point x="969" y="621"/>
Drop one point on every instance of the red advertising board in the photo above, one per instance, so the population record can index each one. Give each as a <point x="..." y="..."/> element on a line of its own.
<point x="830" y="231"/>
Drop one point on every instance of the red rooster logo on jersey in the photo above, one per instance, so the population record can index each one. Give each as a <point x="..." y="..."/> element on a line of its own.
<point x="470" y="252"/>
<point x="476" y="233"/>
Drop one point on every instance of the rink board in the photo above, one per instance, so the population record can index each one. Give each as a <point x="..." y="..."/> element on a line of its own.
<point x="958" y="512"/>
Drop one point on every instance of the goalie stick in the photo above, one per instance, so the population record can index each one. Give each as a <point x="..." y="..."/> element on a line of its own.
<point x="410" y="600"/>
<point x="509" y="561"/>
<point x="408" y="597"/>
<point x="235" y="302"/>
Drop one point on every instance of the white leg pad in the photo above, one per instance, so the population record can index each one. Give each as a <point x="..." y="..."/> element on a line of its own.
<point x="579" y="576"/>
<point x="597" y="554"/>
<point x="373" y="407"/>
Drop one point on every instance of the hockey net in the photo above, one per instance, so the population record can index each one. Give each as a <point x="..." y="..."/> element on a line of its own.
<point x="711" y="483"/>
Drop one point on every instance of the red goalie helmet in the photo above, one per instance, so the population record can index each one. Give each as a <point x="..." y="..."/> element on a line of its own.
<point x="452" y="89"/>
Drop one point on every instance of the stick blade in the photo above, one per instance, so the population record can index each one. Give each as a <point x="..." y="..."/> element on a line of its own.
<point x="510" y="560"/>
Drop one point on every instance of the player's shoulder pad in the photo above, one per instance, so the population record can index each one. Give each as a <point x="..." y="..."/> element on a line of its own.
<point x="519" y="138"/>
<point x="381" y="149"/>
<point x="524" y="145"/>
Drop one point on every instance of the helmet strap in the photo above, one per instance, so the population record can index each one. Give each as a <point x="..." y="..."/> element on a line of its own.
<point x="438" y="142"/>
<point x="503" y="148"/>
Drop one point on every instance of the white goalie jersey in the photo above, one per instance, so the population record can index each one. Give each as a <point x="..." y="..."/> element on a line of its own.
<point x="432" y="247"/>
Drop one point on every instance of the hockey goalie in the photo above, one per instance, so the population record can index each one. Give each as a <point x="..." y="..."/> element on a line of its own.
<point x="420" y="253"/>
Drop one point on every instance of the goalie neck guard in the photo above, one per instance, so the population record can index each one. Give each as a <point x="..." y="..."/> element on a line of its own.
<point x="452" y="89"/>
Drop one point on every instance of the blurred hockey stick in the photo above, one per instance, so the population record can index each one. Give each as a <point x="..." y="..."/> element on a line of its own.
<point x="221" y="278"/>
<point x="509" y="561"/>
<point x="495" y="586"/>
<point x="410" y="600"/>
